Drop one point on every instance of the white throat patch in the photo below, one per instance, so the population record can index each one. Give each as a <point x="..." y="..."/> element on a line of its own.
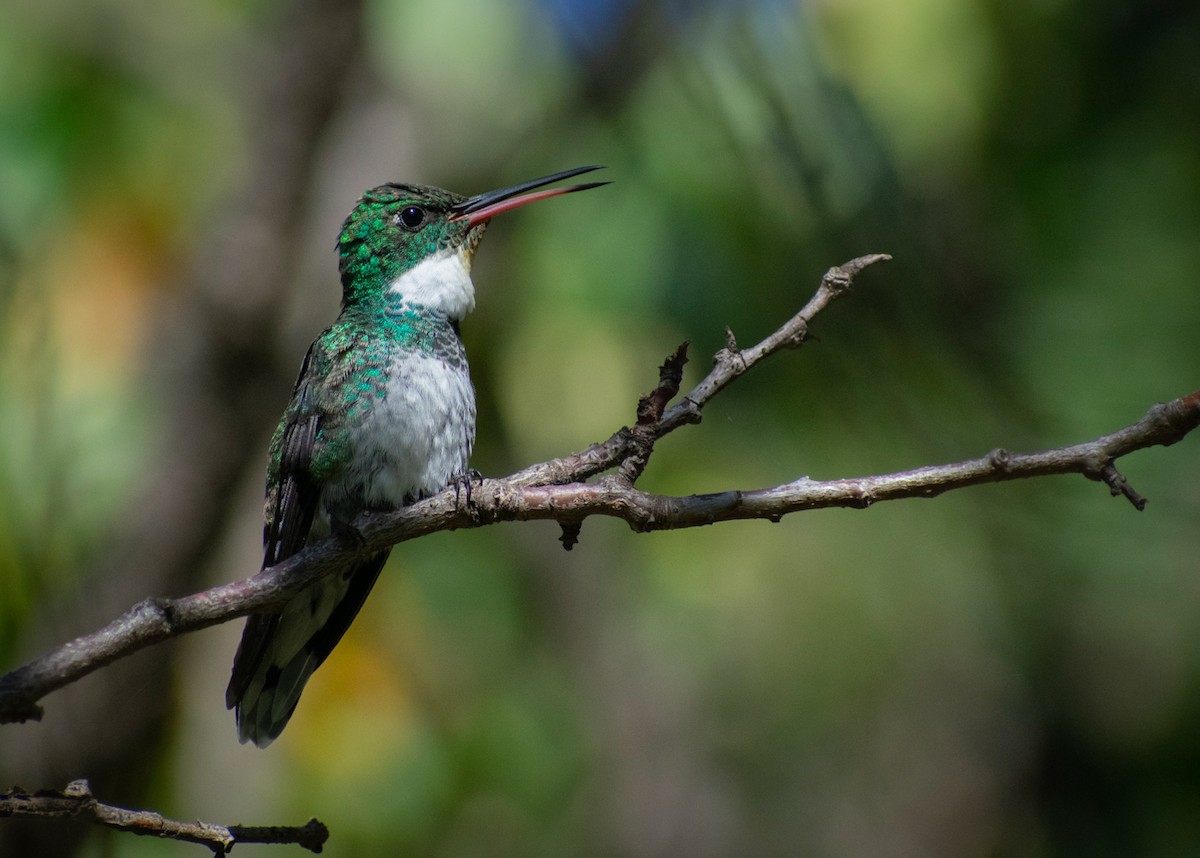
<point x="441" y="282"/>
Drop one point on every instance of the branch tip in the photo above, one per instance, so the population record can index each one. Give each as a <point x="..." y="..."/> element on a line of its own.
<point x="570" y="534"/>
<point x="840" y="278"/>
<point x="859" y="263"/>
<point x="670" y="377"/>
<point x="1118" y="486"/>
<point x="311" y="836"/>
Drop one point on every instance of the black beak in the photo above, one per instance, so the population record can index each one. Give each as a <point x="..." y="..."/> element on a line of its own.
<point x="482" y="207"/>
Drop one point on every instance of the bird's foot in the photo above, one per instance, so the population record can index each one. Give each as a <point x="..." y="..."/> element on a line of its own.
<point x="464" y="484"/>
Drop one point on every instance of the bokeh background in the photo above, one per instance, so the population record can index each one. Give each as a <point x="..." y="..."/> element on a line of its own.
<point x="1008" y="670"/>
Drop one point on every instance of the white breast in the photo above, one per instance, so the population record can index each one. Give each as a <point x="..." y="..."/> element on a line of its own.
<point x="412" y="441"/>
<point x="441" y="282"/>
<point x="420" y="435"/>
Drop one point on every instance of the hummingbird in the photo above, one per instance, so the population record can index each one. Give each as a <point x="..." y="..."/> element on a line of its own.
<point x="381" y="415"/>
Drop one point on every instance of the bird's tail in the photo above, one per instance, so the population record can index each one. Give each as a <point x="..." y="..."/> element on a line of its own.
<point x="280" y="651"/>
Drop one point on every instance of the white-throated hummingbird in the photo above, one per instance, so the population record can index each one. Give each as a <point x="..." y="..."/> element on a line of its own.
<point x="382" y="414"/>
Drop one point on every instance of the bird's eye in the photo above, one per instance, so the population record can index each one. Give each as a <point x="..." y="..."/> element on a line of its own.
<point x="411" y="218"/>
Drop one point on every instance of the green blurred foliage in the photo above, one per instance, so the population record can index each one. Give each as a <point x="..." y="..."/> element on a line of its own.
<point x="1006" y="670"/>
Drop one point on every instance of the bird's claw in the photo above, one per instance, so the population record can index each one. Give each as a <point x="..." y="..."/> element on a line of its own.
<point x="463" y="485"/>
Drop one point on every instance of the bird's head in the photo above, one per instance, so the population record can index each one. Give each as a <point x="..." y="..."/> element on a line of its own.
<point x="416" y="241"/>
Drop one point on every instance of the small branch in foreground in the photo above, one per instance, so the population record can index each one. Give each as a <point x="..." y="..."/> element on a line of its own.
<point x="77" y="802"/>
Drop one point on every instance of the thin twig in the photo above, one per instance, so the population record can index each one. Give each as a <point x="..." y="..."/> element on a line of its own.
<point x="77" y="802"/>
<point x="728" y="364"/>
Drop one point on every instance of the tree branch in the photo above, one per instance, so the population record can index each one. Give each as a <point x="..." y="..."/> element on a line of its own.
<point x="556" y="490"/>
<point x="728" y="364"/>
<point x="77" y="802"/>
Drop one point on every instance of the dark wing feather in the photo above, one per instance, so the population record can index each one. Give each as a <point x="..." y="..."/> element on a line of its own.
<point x="286" y="530"/>
<point x="292" y="505"/>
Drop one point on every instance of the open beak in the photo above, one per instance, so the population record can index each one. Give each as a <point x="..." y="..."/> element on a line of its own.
<point x="482" y="207"/>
